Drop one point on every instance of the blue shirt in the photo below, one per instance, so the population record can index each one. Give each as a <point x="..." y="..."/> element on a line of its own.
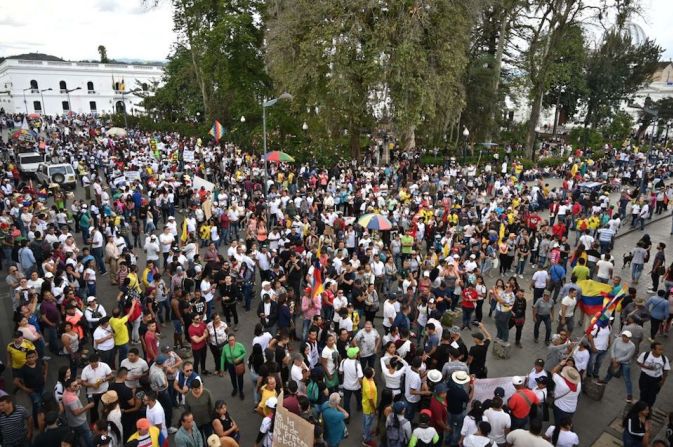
<point x="658" y="307"/>
<point x="334" y="424"/>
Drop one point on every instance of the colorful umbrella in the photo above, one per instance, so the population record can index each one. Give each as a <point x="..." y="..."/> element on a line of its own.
<point x="278" y="156"/>
<point x="32" y="116"/>
<point x="375" y="222"/>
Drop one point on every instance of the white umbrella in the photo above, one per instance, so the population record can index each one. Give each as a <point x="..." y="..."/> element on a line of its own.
<point x="116" y="132"/>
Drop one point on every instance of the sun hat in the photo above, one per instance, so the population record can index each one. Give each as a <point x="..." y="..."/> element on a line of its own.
<point x="434" y="375"/>
<point x="571" y="375"/>
<point x="460" y="377"/>
<point x="109" y="396"/>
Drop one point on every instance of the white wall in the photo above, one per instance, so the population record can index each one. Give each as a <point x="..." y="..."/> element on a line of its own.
<point x="15" y="76"/>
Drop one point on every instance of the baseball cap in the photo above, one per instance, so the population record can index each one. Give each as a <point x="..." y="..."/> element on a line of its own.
<point x="143" y="424"/>
<point x="161" y="359"/>
<point x="517" y="380"/>
<point x="499" y="391"/>
<point x="478" y="335"/>
<point x="271" y="402"/>
<point x="627" y="333"/>
<point x="539" y="362"/>
<point x="90" y="299"/>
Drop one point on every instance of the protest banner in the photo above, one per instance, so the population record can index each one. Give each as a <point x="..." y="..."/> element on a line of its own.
<point x="483" y="388"/>
<point x="198" y="182"/>
<point x="290" y="430"/>
<point x="187" y="156"/>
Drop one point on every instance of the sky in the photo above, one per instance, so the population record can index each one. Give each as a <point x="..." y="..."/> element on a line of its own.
<point x="73" y="29"/>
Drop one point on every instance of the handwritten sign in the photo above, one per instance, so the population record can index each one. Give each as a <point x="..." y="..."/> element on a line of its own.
<point x="484" y="388"/>
<point x="291" y="430"/>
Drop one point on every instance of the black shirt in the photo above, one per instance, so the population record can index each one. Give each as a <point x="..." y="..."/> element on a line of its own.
<point x="124" y="394"/>
<point x="478" y="354"/>
<point x="456" y="398"/>
<point x="33" y="378"/>
<point x="51" y="437"/>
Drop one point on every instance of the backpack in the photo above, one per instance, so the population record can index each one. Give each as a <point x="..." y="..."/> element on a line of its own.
<point x="312" y="392"/>
<point x="395" y="435"/>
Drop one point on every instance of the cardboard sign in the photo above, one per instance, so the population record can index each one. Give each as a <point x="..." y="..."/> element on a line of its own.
<point x="291" y="430"/>
<point x="198" y="182"/>
<point x="132" y="175"/>
<point x="187" y="156"/>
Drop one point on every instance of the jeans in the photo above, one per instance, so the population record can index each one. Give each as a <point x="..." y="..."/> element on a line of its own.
<point x="367" y="423"/>
<point x="347" y="399"/>
<point x="410" y="412"/>
<point x="164" y="312"/>
<point x="569" y="324"/>
<point x="636" y="271"/>
<point x="559" y="414"/>
<point x="122" y="351"/>
<point x="84" y="434"/>
<point x="467" y="316"/>
<point x="97" y="253"/>
<point x="546" y="319"/>
<point x="51" y="338"/>
<point x="217" y="355"/>
<point x="502" y="325"/>
<point x="626" y="373"/>
<point x="629" y="440"/>
<point x="649" y="388"/>
<point x="595" y="360"/>
<point x="455" y="422"/>
<point x="253" y="378"/>
<point x="166" y="401"/>
<point x="655" y="324"/>
<point x="236" y="380"/>
<point x="368" y="361"/>
<point x="199" y="359"/>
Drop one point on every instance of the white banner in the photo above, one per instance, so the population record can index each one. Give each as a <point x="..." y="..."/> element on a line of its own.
<point x="198" y="182"/>
<point x="187" y="156"/>
<point x="483" y="388"/>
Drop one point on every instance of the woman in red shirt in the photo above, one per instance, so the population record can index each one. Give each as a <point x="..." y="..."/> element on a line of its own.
<point x="468" y="303"/>
<point x="198" y="336"/>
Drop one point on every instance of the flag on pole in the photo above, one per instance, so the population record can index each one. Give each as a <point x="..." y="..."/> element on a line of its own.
<point x="602" y="318"/>
<point x="593" y="296"/>
<point x="217" y="131"/>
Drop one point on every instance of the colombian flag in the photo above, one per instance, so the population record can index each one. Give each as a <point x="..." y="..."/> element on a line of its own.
<point x="317" y="287"/>
<point x="593" y="296"/>
<point x="217" y="131"/>
<point x="602" y="318"/>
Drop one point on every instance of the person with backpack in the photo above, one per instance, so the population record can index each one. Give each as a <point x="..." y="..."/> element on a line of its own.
<point x="424" y="435"/>
<point x="522" y="404"/>
<point x="654" y="368"/>
<point x="398" y="428"/>
<point x="352" y="373"/>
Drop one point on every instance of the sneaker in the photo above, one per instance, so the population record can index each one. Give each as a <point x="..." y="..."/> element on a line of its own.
<point x="172" y="430"/>
<point x="629" y="399"/>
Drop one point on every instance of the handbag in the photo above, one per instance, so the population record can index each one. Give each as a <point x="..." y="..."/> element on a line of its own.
<point x="240" y="368"/>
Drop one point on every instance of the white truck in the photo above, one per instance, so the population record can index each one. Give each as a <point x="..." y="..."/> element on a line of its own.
<point x="29" y="161"/>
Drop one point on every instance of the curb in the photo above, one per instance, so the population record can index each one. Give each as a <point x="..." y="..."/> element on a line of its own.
<point x="631" y="230"/>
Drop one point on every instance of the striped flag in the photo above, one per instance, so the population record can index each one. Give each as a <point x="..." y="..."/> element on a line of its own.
<point x="602" y="318"/>
<point x="217" y="131"/>
<point x="317" y="286"/>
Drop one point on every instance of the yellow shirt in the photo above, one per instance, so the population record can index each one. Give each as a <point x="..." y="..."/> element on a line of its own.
<point x="368" y="396"/>
<point x="266" y="394"/>
<point x="121" y="333"/>
<point x="133" y="281"/>
<point x="18" y="355"/>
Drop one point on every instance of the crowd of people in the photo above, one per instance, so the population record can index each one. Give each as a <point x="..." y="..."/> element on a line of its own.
<point x="196" y="241"/>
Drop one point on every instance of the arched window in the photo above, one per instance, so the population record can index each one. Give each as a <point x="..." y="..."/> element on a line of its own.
<point x="89" y="86"/>
<point x="33" y="85"/>
<point x="63" y="86"/>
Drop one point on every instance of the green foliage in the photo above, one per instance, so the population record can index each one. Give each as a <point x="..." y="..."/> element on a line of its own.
<point x="102" y="51"/>
<point x="551" y="162"/>
<point x="615" y="72"/>
<point x="515" y="134"/>
<point x="578" y="136"/>
<point x="619" y="128"/>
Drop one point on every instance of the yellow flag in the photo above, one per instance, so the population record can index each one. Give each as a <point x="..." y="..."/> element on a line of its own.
<point x="185" y="234"/>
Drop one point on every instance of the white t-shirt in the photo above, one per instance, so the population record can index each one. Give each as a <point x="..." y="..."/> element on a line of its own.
<point x="478" y="441"/>
<point x="157" y="417"/>
<point x="412" y="381"/>
<point x="389" y="313"/>
<point x="540" y="279"/>
<point x="660" y="364"/>
<point x="136" y="370"/>
<point x="524" y="438"/>
<point x="499" y="421"/>
<point x="603" y="269"/>
<point x="352" y="371"/>
<point x="100" y="333"/>
<point x="565" y="398"/>
<point x="601" y="338"/>
<point x="570" y="304"/>
<point x="581" y="359"/>
<point x="565" y="438"/>
<point x="90" y="374"/>
<point x="263" y="340"/>
<point x="328" y="354"/>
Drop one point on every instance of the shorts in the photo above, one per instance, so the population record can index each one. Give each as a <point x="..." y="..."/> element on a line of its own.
<point x="177" y="327"/>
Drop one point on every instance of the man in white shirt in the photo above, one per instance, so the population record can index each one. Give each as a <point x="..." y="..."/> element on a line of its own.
<point x="154" y="412"/>
<point x="166" y="239"/>
<point x="567" y="312"/>
<point x="136" y="366"/>
<point x="539" y="282"/>
<point x="654" y="368"/>
<point x="604" y="269"/>
<point x="389" y="312"/>
<point x="103" y="340"/>
<point x="500" y="421"/>
<point x="352" y="378"/>
<point x="97" y="250"/>
<point x="96" y="377"/>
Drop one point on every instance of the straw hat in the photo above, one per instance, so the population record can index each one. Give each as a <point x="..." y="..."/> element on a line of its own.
<point x="571" y="375"/>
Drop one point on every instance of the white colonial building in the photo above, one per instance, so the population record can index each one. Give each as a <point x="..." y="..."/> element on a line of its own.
<point x="56" y="87"/>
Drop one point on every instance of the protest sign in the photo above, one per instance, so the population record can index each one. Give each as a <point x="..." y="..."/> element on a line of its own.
<point x="483" y="388"/>
<point x="291" y="430"/>
<point x="198" y="182"/>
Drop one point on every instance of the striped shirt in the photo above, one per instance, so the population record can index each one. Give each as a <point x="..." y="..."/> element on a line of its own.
<point x="13" y="427"/>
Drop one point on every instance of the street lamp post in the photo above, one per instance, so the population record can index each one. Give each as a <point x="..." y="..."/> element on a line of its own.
<point x="265" y="104"/>
<point x="44" y="107"/>
<point x="556" y="111"/>
<point x="124" y="93"/>
<point x="68" y="93"/>
<point x="25" y="103"/>
<point x="466" y="134"/>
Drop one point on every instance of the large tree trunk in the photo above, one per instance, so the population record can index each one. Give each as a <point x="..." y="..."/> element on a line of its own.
<point x="497" y="69"/>
<point x="410" y="138"/>
<point x="532" y="122"/>
<point x="355" y="144"/>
